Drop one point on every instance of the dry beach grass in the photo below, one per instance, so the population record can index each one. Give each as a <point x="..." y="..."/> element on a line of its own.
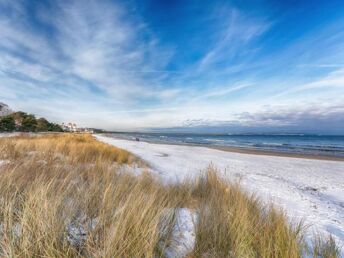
<point x="67" y="195"/>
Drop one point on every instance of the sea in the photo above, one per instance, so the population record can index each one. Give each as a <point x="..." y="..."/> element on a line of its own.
<point x="322" y="145"/>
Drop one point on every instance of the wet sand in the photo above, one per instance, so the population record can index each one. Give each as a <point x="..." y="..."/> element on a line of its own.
<point x="275" y="153"/>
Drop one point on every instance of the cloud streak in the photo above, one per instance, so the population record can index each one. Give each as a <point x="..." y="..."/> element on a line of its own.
<point x="103" y="64"/>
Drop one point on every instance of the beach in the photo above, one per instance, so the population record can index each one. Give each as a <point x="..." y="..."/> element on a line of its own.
<point x="327" y="147"/>
<point x="277" y="154"/>
<point x="311" y="190"/>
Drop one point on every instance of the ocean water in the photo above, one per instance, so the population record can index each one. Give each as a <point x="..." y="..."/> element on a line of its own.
<point x="302" y="144"/>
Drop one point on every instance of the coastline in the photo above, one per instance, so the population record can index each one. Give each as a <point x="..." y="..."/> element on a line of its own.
<point x="243" y="150"/>
<point x="276" y="153"/>
<point x="232" y="149"/>
<point x="306" y="189"/>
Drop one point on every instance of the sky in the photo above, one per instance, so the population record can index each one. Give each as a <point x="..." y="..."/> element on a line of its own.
<point x="180" y="65"/>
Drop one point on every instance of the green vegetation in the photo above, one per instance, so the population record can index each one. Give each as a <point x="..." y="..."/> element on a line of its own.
<point x="23" y="122"/>
<point x="7" y="124"/>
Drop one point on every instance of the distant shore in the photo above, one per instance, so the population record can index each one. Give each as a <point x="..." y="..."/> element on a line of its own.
<point x="276" y="153"/>
<point x="244" y="150"/>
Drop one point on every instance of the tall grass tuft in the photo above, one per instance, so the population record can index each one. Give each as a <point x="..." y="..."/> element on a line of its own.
<point x="235" y="224"/>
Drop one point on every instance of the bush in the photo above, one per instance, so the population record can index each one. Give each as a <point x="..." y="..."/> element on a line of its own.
<point x="29" y="124"/>
<point x="7" y="124"/>
<point x="23" y="122"/>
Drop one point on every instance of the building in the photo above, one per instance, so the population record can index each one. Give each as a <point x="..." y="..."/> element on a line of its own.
<point x="71" y="127"/>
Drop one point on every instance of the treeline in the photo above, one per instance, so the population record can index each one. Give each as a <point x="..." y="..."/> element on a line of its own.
<point x="23" y="122"/>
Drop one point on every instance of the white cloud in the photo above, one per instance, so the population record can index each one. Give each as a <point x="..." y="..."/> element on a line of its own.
<point x="334" y="79"/>
<point x="223" y="91"/>
<point x="100" y="65"/>
<point x="97" y="42"/>
<point x="238" y="31"/>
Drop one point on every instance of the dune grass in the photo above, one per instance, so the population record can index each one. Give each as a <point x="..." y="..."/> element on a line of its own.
<point x="234" y="224"/>
<point x="65" y="195"/>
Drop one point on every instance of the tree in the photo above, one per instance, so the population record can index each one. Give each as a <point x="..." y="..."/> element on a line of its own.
<point x="29" y="124"/>
<point x="55" y="128"/>
<point x="18" y="118"/>
<point x="43" y="125"/>
<point x="7" y="124"/>
<point x="24" y="122"/>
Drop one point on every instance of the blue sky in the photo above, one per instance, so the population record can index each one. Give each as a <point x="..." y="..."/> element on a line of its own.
<point x="196" y="65"/>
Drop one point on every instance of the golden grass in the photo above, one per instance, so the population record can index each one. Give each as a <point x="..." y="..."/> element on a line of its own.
<point x="63" y="195"/>
<point x="77" y="148"/>
<point x="233" y="224"/>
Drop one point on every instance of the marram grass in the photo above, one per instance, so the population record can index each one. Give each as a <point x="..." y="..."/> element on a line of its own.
<point x="64" y="195"/>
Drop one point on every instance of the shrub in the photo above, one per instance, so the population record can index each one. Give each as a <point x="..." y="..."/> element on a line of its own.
<point x="7" y="123"/>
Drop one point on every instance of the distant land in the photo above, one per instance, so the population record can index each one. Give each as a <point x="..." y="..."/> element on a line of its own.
<point x="19" y="121"/>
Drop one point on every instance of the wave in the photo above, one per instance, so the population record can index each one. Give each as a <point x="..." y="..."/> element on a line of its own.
<point x="329" y="145"/>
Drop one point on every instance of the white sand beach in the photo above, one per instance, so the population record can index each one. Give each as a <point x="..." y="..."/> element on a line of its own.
<point x="308" y="189"/>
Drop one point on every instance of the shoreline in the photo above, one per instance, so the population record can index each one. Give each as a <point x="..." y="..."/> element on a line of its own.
<point x="243" y="150"/>
<point x="307" y="189"/>
<point x="276" y="154"/>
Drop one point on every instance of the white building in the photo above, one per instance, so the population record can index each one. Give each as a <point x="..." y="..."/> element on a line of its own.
<point x="70" y="127"/>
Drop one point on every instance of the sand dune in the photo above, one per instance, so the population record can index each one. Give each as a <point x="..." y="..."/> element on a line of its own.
<point x="312" y="190"/>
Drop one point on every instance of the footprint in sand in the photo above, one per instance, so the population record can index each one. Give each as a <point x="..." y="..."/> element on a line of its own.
<point x="163" y="155"/>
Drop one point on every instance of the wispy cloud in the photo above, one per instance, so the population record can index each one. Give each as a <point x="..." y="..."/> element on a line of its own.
<point x="103" y="63"/>
<point x="309" y="120"/>
<point x="237" y="31"/>
<point x="334" y="79"/>
<point x="91" y="43"/>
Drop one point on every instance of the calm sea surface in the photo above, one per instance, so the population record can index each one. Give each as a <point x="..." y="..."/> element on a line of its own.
<point x="303" y="144"/>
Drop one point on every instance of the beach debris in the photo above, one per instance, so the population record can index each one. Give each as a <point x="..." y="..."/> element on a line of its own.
<point x="311" y="189"/>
